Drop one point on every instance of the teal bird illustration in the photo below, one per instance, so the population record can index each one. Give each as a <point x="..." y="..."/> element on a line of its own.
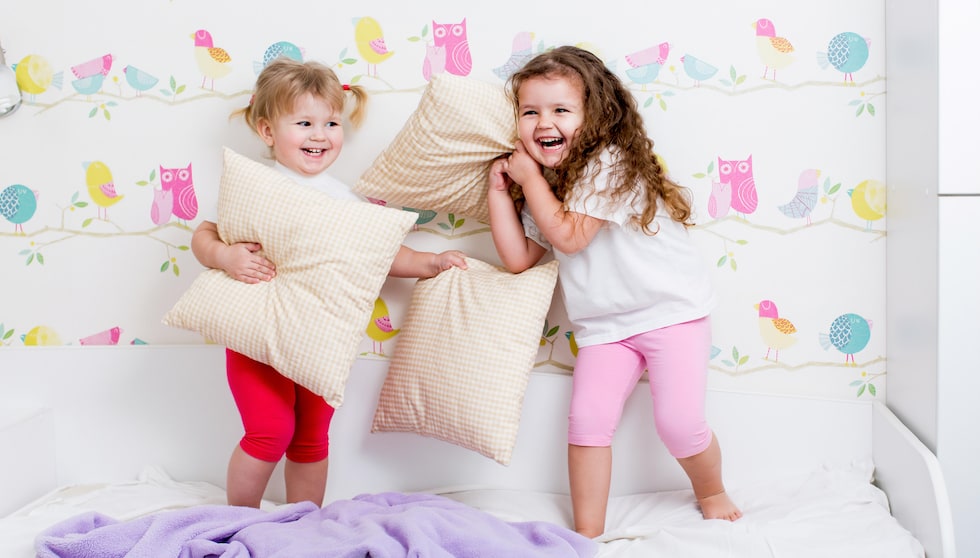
<point x="848" y="52"/>
<point x="279" y="49"/>
<point x="18" y="203"/>
<point x="425" y="215"/>
<point x="89" y="85"/>
<point x="849" y="333"/>
<point x="697" y="69"/>
<point x="138" y="79"/>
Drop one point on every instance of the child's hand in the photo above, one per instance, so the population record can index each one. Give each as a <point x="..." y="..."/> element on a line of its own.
<point x="448" y="259"/>
<point x="499" y="180"/>
<point x="242" y="262"/>
<point x="521" y="167"/>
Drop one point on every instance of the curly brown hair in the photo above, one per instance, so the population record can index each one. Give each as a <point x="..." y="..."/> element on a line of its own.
<point x="611" y="120"/>
<point x="284" y="80"/>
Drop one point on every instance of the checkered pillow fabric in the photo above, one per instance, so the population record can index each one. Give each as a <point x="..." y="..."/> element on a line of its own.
<point x="440" y="158"/>
<point x="332" y="258"/>
<point x="464" y="355"/>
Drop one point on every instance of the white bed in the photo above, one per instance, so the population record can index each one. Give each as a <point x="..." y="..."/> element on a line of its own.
<point x="133" y="431"/>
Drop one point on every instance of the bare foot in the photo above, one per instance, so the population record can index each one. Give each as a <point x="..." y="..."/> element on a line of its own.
<point x="719" y="506"/>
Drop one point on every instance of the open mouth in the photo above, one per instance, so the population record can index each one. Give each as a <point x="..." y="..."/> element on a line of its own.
<point x="551" y="143"/>
<point x="310" y="151"/>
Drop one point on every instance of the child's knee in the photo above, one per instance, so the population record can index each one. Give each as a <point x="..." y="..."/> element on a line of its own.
<point x="594" y="429"/>
<point x="685" y="440"/>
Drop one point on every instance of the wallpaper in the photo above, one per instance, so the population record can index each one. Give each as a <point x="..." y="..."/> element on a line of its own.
<point x="771" y="114"/>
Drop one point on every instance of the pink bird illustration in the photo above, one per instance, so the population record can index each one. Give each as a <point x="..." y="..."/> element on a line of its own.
<point x="107" y="337"/>
<point x="211" y="60"/>
<point x="775" y="52"/>
<point x="777" y="333"/>
<point x="100" y="65"/>
<point x="653" y="55"/>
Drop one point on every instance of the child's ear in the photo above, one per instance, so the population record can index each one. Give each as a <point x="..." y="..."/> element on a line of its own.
<point x="264" y="130"/>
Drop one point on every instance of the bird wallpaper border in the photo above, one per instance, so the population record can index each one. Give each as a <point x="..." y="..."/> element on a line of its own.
<point x="773" y="115"/>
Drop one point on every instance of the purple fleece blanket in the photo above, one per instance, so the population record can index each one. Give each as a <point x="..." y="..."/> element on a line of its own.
<point x="383" y="525"/>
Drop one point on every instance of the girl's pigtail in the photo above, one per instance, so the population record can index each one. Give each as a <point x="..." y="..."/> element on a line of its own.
<point x="360" y="103"/>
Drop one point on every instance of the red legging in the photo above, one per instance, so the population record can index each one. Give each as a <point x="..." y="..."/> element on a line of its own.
<point x="279" y="416"/>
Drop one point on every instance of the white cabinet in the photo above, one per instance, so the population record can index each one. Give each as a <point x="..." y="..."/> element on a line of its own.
<point x="959" y="113"/>
<point x="958" y="444"/>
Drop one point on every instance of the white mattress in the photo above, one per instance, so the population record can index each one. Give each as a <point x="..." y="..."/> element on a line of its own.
<point x="825" y="513"/>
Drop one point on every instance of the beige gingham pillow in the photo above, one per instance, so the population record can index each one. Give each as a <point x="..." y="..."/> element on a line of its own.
<point x="332" y="257"/>
<point x="464" y="355"/>
<point x="440" y="158"/>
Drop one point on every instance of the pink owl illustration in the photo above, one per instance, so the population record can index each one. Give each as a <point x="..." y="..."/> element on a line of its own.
<point x="435" y="61"/>
<point x="720" y="200"/>
<point x="163" y="206"/>
<point x="739" y="175"/>
<point x="180" y="181"/>
<point x="453" y="37"/>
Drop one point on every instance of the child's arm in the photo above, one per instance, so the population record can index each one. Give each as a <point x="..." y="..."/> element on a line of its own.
<point x="422" y="265"/>
<point x="237" y="260"/>
<point x="567" y="231"/>
<point x="517" y="252"/>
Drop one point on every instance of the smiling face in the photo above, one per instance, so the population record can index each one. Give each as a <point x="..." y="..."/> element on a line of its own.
<point x="550" y="111"/>
<point x="308" y="139"/>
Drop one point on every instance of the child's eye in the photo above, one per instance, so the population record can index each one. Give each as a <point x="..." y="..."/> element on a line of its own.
<point x="528" y="113"/>
<point x="303" y="123"/>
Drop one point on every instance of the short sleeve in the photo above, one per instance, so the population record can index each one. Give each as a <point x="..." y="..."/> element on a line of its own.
<point x="531" y="229"/>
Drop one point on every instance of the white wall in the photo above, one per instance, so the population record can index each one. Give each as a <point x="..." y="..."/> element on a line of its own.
<point x="119" y="273"/>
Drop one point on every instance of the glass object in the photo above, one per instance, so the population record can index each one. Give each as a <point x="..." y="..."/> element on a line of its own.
<point x="10" y="97"/>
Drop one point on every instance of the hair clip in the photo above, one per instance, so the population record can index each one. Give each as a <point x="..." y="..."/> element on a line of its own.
<point x="346" y="87"/>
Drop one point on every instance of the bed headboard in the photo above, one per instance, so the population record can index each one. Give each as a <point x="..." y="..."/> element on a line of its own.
<point x="102" y="414"/>
<point x="116" y="409"/>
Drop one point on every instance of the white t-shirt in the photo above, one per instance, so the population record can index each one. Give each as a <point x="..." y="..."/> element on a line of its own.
<point x="322" y="182"/>
<point x="627" y="282"/>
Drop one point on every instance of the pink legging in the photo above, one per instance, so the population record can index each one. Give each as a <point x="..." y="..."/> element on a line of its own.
<point x="676" y="358"/>
<point x="279" y="416"/>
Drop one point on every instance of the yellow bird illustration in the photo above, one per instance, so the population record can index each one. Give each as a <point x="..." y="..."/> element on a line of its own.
<point x="41" y="336"/>
<point x="572" y="345"/>
<point x="371" y="42"/>
<point x="100" y="187"/>
<point x="868" y="200"/>
<point x="379" y="328"/>
<point x="35" y="75"/>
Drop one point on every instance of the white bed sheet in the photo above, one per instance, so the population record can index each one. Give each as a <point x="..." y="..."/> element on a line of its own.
<point x="825" y="513"/>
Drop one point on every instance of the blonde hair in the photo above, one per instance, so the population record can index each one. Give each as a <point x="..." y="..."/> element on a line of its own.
<point x="284" y="80"/>
<point x="611" y="120"/>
